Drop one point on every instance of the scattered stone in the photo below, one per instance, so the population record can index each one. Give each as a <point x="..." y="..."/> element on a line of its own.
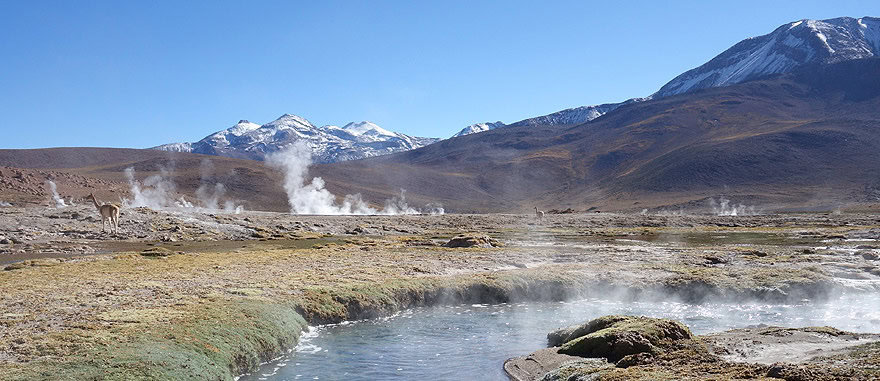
<point x="526" y="368"/>
<point x="869" y="255"/>
<point x="793" y="372"/>
<point x="757" y="253"/>
<point x="359" y="230"/>
<point x="156" y="252"/>
<point x="558" y="211"/>
<point x="16" y="266"/>
<point x="422" y="242"/>
<point x="635" y="359"/>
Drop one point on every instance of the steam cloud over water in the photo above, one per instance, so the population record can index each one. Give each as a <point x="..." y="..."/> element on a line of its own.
<point x="313" y="198"/>
<point x="59" y="202"/>
<point x="158" y="192"/>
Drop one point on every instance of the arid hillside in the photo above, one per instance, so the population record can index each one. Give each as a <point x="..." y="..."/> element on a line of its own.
<point x="78" y="171"/>
<point x="807" y="140"/>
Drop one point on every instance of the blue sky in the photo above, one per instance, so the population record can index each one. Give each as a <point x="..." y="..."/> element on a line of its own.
<point x="138" y="73"/>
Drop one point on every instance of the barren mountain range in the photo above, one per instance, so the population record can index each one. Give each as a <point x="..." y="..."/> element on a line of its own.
<point x="784" y="121"/>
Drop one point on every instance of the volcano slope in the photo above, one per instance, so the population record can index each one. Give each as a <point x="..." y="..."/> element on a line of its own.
<point x="807" y="139"/>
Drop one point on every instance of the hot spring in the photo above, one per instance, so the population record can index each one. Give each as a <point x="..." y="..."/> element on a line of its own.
<point x="467" y="341"/>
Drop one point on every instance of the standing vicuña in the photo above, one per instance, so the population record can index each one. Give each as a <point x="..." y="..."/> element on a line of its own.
<point x="108" y="212"/>
<point x="539" y="213"/>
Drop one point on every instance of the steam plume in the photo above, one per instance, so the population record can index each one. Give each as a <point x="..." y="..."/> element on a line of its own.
<point x="59" y="202"/>
<point x="313" y="198"/>
<point x="158" y="192"/>
<point x="723" y="207"/>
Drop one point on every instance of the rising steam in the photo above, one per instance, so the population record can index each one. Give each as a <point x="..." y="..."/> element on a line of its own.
<point x="723" y="207"/>
<point x="313" y="198"/>
<point x="159" y="192"/>
<point x="59" y="202"/>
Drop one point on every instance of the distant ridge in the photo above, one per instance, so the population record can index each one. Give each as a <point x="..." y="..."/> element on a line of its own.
<point x="788" y="47"/>
<point x="329" y="143"/>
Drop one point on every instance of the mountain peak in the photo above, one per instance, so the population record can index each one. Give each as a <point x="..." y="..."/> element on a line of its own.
<point x="789" y="46"/>
<point x="366" y="127"/>
<point x="479" y="127"/>
<point x="329" y="143"/>
<point x="290" y="120"/>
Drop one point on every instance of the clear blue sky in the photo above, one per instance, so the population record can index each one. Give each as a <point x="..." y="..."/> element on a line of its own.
<point x="143" y="73"/>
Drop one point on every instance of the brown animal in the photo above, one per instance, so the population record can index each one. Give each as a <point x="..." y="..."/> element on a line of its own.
<point x="539" y="213"/>
<point x="109" y="212"/>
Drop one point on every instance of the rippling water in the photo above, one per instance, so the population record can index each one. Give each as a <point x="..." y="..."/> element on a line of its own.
<point x="473" y="341"/>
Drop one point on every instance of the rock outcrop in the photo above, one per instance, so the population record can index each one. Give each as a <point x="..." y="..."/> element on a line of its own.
<point x="615" y="337"/>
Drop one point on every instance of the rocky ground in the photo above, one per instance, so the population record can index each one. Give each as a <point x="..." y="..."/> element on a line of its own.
<point x="25" y="186"/>
<point x="179" y="293"/>
<point x="641" y="348"/>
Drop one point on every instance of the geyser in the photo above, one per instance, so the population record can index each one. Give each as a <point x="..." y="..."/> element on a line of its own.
<point x="59" y="202"/>
<point x="158" y="191"/>
<point x="723" y="207"/>
<point x="312" y="198"/>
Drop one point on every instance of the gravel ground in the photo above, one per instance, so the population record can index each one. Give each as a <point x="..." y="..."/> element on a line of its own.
<point x="70" y="288"/>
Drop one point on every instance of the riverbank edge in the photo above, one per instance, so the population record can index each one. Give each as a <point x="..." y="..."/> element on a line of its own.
<point x="225" y="337"/>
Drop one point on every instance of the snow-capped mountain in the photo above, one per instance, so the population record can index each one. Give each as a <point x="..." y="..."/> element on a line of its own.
<point x="571" y="116"/>
<point x="175" y="147"/>
<point x="329" y="143"/>
<point x="786" y="48"/>
<point x="567" y="117"/>
<point x="479" y="127"/>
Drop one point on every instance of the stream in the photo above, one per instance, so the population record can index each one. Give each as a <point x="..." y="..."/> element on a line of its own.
<point x="473" y="341"/>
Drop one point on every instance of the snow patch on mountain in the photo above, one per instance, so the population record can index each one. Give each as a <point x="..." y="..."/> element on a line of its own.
<point x="479" y="127"/>
<point x="786" y="48"/>
<point x="328" y="144"/>
<point x="571" y="116"/>
<point x="175" y="147"/>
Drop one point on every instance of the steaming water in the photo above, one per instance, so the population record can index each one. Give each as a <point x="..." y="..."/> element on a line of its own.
<point x="464" y="342"/>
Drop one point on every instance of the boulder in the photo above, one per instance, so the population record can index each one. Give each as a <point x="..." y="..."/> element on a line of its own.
<point x="869" y="255"/>
<point x="472" y="241"/>
<point x="615" y="337"/>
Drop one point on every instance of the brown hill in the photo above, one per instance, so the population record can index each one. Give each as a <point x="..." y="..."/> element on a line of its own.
<point x="808" y="139"/>
<point x="78" y="171"/>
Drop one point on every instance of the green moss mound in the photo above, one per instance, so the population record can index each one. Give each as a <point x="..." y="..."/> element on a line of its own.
<point x="615" y="336"/>
<point x="217" y="341"/>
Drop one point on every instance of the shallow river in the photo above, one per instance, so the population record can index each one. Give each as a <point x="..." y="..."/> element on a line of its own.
<point x="473" y="341"/>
